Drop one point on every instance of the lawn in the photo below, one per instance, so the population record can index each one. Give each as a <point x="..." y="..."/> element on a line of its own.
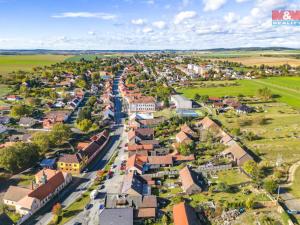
<point x="232" y="177"/>
<point x="295" y="188"/>
<point x="77" y="58"/>
<point x="285" y="88"/>
<point x="4" y="89"/>
<point x="277" y="139"/>
<point x="9" y="63"/>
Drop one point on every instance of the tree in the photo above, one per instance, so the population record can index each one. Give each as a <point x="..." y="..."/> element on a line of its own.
<point x="264" y="93"/>
<point x="249" y="203"/>
<point x="165" y="219"/>
<point x="184" y="149"/>
<point x="204" y="98"/>
<point x="84" y="125"/>
<point x="197" y="97"/>
<point x="18" y="156"/>
<point x="60" y="133"/>
<point x="42" y="140"/>
<point x="270" y="186"/>
<point x="18" y="111"/>
<point x="57" y="209"/>
<point x="251" y="168"/>
<point x="223" y="187"/>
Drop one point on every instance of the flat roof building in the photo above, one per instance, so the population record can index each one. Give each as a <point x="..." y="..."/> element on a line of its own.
<point x="181" y="102"/>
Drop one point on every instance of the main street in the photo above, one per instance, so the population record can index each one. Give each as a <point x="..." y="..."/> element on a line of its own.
<point x="80" y="184"/>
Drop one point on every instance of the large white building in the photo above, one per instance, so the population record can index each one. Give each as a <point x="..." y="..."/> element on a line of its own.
<point x="143" y="104"/>
<point x="181" y="102"/>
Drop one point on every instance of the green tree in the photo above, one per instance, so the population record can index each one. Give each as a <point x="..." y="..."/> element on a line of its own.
<point x="251" y="168"/>
<point x="265" y="93"/>
<point x="270" y="186"/>
<point x="60" y="133"/>
<point x="84" y="125"/>
<point x="249" y="203"/>
<point x="42" y="140"/>
<point x="18" y="111"/>
<point x="204" y="98"/>
<point x="165" y="219"/>
<point x="18" y="156"/>
<point x="197" y="97"/>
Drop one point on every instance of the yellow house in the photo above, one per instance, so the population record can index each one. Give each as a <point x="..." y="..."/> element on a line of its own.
<point x="71" y="163"/>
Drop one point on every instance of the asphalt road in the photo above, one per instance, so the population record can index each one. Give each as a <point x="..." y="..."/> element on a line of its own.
<point x="80" y="184"/>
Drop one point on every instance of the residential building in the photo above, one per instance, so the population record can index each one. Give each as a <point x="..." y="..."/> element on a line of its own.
<point x="116" y="216"/>
<point x="47" y="184"/>
<point x="181" y="102"/>
<point x="183" y="214"/>
<point x="190" y="181"/>
<point x="237" y="154"/>
<point x="27" y="122"/>
<point x="141" y="104"/>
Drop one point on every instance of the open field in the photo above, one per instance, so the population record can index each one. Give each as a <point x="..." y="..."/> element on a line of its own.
<point x="286" y="89"/>
<point x="77" y="58"/>
<point x="9" y="63"/>
<point x="278" y="136"/>
<point x="4" y="89"/>
<point x="271" y="61"/>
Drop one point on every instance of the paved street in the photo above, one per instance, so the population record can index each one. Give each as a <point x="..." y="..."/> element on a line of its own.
<point x="80" y="184"/>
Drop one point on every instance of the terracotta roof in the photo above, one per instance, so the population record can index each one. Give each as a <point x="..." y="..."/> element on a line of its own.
<point x="48" y="172"/>
<point x="91" y="149"/>
<point x="186" y="178"/>
<point x="49" y="187"/>
<point x="26" y="202"/>
<point x="137" y="147"/>
<point x="15" y="193"/>
<point x="182" y="137"/>
<point x="186" y="129"/>
<point x="160" y="160"/>
<point x="136" y="161"/>
<point x="82" y="145"/>
<point x="146" y="213"/>
<point x="142" y="99"/>
<point x="184" y="158"/>
<point x="208" y="123"/>
<point x="183" y="214"/>
<point x="149" y="201"/>
<point x="236" y="151"/>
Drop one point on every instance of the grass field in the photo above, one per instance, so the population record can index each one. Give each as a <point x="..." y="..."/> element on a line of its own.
<point x="77" y="58"/>
<point x="9" y="63"/>
<point x="286" y="88"/>
<point x="295" y="189"/>
<point x="4" y="89"/>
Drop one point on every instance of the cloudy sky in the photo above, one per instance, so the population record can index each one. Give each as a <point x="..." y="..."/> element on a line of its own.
<point x="143" y="24"/>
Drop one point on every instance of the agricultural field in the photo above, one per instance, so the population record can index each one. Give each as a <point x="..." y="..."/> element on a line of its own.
<point x="77" y="58"/>
<point x="4" y="89"/>
<point x="9" y="63"/>
<point x="286" y="89"/>
<point x="271" y="61"/>
<point x="295" y="188"/>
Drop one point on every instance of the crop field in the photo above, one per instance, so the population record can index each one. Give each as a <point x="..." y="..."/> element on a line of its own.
<point x="4" y="89"/>
<point x="271" y="61"/>
<point x="9" y="63"/>
<point x="285" y="88"/>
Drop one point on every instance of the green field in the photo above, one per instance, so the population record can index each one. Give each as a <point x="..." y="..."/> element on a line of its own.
<point x="77" y="58"/>
<point x="9" y="63"/>
<point x="4" y="89"/>
<point x="295" y="189"/>
<point x="286" y="89"/>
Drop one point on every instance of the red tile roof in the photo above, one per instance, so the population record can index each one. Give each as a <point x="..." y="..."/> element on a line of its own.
<point x="183" y="214"/>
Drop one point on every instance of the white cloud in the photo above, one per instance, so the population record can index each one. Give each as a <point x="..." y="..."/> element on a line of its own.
<point x="212" y="5"/>
<point x="150" y="2"/>
<point x="241" y="1"/>
<point x="93" y="33"/>
<point x="159" y="24"/>
<point x="147" y="30"/>
<point x="138" y="21"/>
<point x="180" y="17"/>
<point x="98" y="15"/>
<point x="231" y="17"/>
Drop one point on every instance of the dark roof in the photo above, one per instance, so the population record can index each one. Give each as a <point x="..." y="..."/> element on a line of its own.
<point x="122" y="216"/>
<point x="48" y="162"/>
<point x="135" y="182"/>
<point x="70" y="158"/>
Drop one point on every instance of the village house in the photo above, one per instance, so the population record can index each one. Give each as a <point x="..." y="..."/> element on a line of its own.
<point x="122" y="216"/>
<point x="27" y="122"/>
<point x="183" y="214"/>
<point x="191" y="182"/>
<point x="54" y="117"/>
<point x="47" y="184"/>
<point x="236" y="154"/>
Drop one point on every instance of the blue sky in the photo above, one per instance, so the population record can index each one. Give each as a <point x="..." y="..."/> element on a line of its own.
<point x="143" y="24"/>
